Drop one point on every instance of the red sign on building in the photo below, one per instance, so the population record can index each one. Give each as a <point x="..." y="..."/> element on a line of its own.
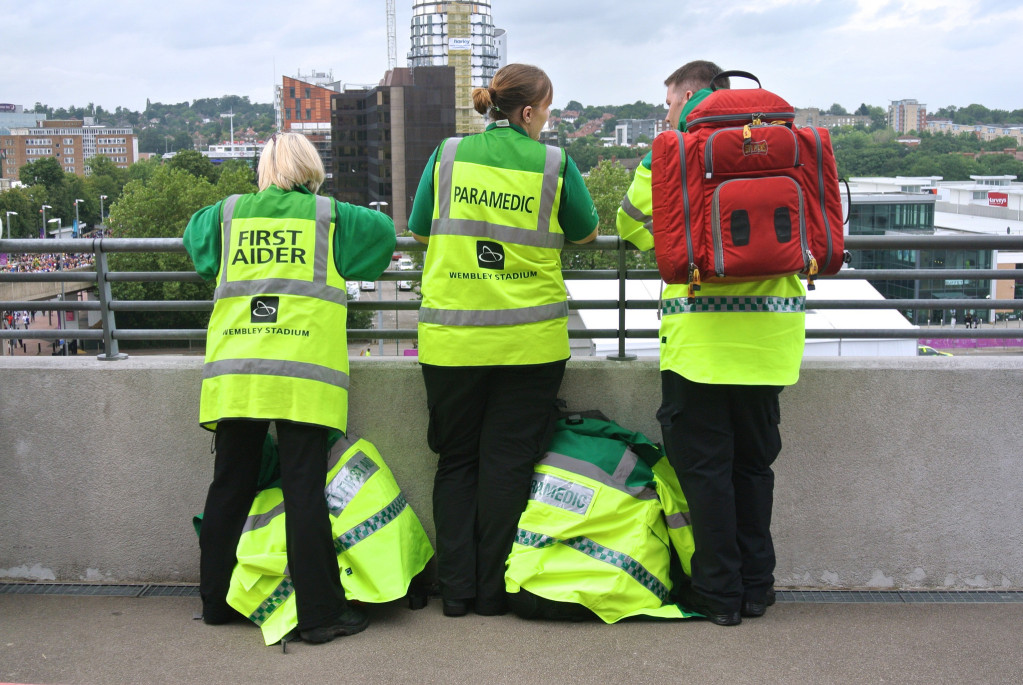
<point x="998" y="199"/>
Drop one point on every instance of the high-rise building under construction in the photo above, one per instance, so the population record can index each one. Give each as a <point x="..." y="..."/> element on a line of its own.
<point x="460" y="35"/>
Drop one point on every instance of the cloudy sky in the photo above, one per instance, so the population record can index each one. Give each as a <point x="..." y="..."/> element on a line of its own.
<point x="812" y="52"/>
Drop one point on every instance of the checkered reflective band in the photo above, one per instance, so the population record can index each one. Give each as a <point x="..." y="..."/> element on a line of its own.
<point x="601" y="553"/>
<point x="270" y="604"/>
<point x="687" y="305"/>
<point x="371" y="525"/>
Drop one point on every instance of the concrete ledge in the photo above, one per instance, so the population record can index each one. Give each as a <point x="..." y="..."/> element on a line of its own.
<point x="899" y="473"/>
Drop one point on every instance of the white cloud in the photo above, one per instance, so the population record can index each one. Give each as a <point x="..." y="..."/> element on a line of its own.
<point x="599" y="52"/>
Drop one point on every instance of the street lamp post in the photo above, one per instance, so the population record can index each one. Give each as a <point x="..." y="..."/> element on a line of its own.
<point x="60" y="266"/>
<point x="42" y="231"/>
<point x="377" y="204"/>
<point x="9" y="215"/>
<point x="75" y="229"/>
<point x="102" y="219"/>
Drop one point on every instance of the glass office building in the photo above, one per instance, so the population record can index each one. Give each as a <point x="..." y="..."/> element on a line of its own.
<point x="913" y="214"/>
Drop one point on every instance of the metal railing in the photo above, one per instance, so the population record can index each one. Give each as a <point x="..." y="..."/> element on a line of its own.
<point x="110" y="335"/>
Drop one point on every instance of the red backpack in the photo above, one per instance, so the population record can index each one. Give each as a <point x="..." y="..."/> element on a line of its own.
<point x="744" y="195"/>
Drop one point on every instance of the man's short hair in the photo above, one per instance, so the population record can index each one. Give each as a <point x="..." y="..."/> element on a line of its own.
<point x="696" y="75"/>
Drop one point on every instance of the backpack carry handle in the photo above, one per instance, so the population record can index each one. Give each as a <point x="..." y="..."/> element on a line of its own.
<point x="743" y="74"/>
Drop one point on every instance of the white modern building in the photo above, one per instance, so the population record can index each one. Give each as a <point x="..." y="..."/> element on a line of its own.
<point x="816" y="319"/>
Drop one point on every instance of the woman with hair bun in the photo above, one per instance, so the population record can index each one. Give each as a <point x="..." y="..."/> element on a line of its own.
<point x="495" y="209"/>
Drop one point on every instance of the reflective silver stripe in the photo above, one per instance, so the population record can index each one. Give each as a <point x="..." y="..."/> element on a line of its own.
<point x="281" y="286"/>
<point x="257" y="521"/>
<point x="634" y="213"/>
<point x="599" y="552"/>
<point x="445" y="172"/>
<point x="276" y="367"/>
<point x="784" y="305"/>
<point x="270" y="604"/>
<point x="493" y="317"/>
<point x="549" y="190"/>
<point x="341" y="445"/>
<point x="585" y="468"/>
<point x="506" y="234"/>
<point x="371" y="525"/>
<point x="679" y="520"/>
<point x="625" y="466"/>
<point x="321" y="260"/>
<point x="229" y="204"/>
<point x="345" y="485"/>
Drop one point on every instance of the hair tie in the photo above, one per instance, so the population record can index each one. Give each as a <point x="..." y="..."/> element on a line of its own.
<point x="496" y="108"/>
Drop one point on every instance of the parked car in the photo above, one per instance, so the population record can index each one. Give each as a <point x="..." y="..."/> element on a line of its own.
<point x="404" y="285"/>
<point x="368" y="285"/>
<point x="928" y="351"/>
<point x="405" y="264"/>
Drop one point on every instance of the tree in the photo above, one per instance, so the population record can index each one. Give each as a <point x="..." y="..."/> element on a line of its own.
<point x="1000" y="165"/>
<point x="26" y="202"/>
<point x="160" y="207"/>
<point x="46" y="171"/>
<point x="194" y="163"/>
<point x="837" y="109"/>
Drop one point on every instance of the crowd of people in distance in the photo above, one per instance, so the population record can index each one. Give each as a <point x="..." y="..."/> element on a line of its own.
<point x="46" y="262"/>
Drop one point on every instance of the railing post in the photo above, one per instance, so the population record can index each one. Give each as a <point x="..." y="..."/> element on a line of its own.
<point x="110" y="351"/>
<point x="621" y="356"/>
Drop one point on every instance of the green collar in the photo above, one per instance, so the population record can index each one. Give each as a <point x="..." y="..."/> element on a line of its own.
<point x="697" y="98"/>
<point x="504" y="123"/>
<point x="295" y="189"/>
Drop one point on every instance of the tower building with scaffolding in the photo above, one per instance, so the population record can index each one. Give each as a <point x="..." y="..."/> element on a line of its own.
<point x="460" y="35"/>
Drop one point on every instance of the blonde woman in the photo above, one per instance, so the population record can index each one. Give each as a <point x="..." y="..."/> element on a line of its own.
<point x="276" y="350"/>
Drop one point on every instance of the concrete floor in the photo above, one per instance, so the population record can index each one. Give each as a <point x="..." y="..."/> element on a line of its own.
<point x="97" y="640"/>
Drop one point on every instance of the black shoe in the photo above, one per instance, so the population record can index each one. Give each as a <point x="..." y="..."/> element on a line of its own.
<point x="219" y="615"/>
<point x="754" y="609"/>
<point x="719" y="617"/>
<point x="497" y="607"/>
<point x="351" y="621"/>
<point x="455" y="607"/>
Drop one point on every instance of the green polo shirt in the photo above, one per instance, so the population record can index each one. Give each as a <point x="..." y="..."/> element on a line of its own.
<point x="364" y="239"/>
<point x="577" y="216"/>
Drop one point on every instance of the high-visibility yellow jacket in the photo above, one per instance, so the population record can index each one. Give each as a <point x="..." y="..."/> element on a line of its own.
<point x="492" y="286"/>
<point x="380" y="543"/>
<point x="276" y="345"/>
<point x="749" y="333"/>
<point x="603" y="514"/>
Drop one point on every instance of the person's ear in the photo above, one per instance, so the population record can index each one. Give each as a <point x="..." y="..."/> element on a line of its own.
<point x="527" y="113"/>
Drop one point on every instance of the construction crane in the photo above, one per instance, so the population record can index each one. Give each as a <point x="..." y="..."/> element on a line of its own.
<point x="392" y="51"/>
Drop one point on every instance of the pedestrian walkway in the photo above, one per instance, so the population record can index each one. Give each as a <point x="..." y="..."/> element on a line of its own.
<point x="98" y="640"/>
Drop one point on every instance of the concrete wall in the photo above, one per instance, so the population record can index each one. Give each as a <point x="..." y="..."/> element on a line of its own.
<point x="895" y="472"/>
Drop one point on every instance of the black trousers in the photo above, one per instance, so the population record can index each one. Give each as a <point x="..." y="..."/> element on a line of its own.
<point x="489" y="425"/>
<point x="312" y="562"/>
<point x="722" y="440"/>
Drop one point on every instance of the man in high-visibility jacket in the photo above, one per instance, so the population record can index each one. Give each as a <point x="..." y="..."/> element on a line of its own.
<point x="605" y="513"/>
<point x="381" y="545"/>
<point x="276" y="351"/>
<point x="725" y="356"/>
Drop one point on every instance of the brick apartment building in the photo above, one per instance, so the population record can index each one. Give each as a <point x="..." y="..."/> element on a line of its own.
<point x="71" y="142"/>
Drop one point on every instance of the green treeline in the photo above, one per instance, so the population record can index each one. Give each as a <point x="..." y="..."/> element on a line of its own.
<point x="181" y="126"/>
